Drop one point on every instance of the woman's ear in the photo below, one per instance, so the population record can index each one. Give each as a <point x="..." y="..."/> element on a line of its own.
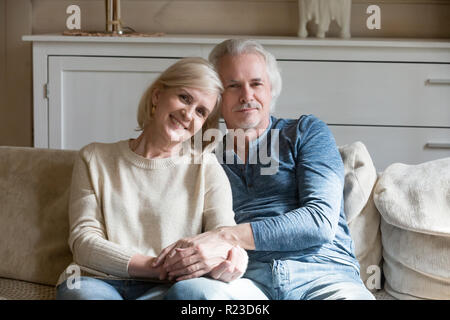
<point x="155" y="96"/>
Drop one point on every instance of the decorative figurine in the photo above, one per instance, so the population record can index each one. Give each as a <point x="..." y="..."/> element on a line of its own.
<point x="113" y="16"/>
<point x="323" y="12"/>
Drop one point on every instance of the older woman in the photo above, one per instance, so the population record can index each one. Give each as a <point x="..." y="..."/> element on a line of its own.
<point x="132" y="198"/>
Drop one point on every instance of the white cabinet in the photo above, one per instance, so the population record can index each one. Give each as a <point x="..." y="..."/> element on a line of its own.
<point x="96" y="98"/>
<point x="393" y="95"/>
<point x="400" y="111"/>
<point x="367" y="93"/>
<point x="397" y="144"/>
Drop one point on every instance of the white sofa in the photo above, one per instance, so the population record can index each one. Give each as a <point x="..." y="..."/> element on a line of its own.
<point x="34" y="227"/>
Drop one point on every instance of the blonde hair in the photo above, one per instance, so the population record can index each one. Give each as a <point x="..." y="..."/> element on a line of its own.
<point x="196" y="73"/>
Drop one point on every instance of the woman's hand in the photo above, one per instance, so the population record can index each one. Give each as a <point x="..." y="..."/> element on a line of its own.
<point x="141" y="266"/>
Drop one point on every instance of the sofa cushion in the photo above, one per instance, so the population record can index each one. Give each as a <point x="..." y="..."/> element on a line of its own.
<point x="21" y="290"/>
<point x="34" y="191"/>
<point x="362" y="215"/>
<point x="414" y="201"/>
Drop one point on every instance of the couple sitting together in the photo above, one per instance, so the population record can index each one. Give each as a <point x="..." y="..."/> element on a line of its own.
<point x="147" y="222"/>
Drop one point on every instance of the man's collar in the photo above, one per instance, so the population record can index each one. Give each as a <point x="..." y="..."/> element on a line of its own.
<point x="255" y="142"/>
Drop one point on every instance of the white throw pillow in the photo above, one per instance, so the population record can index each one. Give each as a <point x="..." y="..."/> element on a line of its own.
<point x="362" y="216"/>
<point x="414" y="201"/>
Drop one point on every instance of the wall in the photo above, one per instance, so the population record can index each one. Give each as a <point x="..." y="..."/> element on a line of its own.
<point x="400" y="19"/>
<point x="3" y="130"/>
<point x="15" y="74"/>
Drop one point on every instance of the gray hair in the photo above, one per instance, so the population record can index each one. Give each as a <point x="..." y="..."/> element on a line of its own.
<point x="236" y="47"/>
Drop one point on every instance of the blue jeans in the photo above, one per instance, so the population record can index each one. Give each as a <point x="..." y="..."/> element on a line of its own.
<point x="280" y="280"/>
<point x="102" y="289"/>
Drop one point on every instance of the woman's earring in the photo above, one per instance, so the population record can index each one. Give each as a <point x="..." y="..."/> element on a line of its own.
<point x="152" y="112"/>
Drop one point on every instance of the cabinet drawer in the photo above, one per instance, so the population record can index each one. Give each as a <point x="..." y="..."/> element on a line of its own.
<point x="387" y="145"/>
<point x="367" y="93"/>
<point x="96" y="98"/>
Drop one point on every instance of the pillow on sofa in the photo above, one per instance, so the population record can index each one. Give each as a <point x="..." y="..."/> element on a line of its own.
<point x="34" y="191"/>
<point x="362" y="215"/>
<point x="414" y="202"/>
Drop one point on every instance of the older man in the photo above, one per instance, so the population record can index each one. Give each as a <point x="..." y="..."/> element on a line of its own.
<point x="291" y="220"/>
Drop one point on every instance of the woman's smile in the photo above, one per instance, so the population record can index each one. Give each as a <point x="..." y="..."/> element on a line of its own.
<point x="178" y="124"/>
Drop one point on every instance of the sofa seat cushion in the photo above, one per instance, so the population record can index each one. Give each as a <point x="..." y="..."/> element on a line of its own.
<point x="21" y="290"/>
<point x="362" y="216"/>
<point x="414" y="202"/>
<point x="383" y="295"/>
<point x="34" y="228"/>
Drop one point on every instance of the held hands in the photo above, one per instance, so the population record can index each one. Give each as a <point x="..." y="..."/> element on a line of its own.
<point x="205" y="254"/>
<point x="232" y="268"/>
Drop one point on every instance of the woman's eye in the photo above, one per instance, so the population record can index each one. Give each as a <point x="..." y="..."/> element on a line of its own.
<point x="184" y="98"/>
<point x="201" y="112"/>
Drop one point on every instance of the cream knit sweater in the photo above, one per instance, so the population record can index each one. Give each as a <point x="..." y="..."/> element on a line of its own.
<point x="122" y="204"/>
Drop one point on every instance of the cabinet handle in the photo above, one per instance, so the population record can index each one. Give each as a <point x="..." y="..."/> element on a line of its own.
<point x="438" y="145"/>
<point x="438" y="81"/>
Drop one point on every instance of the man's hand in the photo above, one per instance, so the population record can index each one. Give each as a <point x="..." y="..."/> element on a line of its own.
<point x="198" y="255"/>
<point x="194" y="256"/>
<point x="232" y="268"/>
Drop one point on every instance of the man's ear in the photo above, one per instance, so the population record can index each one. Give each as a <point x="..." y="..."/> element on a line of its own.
<point x="220" y="110"/>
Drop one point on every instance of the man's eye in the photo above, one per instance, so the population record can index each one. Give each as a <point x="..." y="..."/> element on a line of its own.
<point x="233" y="85"/>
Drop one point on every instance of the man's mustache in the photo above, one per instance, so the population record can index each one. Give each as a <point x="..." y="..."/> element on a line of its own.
<point x="248" y="105"/>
